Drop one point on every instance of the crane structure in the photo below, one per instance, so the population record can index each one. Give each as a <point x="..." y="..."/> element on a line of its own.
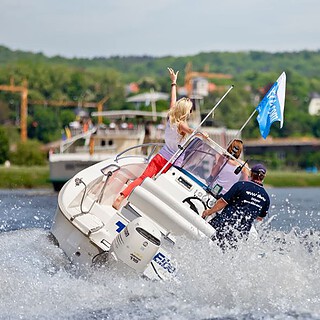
<point x="100" y="107"/>
<point x="24" y="105"/>
<point x="189" y="75"/>
<point x="62" y="103"/>
<point x="23" y="89"/>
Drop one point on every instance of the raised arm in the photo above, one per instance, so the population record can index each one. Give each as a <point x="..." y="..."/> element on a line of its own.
<point x="185" y="129"/>
<point x="173" y="77"/>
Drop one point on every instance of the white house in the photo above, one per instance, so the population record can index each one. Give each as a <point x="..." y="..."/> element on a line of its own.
<point x="314" y="105"/>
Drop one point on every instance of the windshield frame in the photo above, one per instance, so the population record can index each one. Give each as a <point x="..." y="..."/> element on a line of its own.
<point x="200" y="156"/>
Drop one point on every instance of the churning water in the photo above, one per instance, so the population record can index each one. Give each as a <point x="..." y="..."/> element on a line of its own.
<point x="276" y="276"/>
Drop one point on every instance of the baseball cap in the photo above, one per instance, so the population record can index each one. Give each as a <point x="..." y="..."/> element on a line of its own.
<point x="259" y="168"/>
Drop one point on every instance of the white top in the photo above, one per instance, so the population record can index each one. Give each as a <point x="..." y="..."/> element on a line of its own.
<point x="227" y="178"/>
<point x="172" y="139"/>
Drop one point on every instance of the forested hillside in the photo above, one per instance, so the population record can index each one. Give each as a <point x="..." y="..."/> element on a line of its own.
<point x="305" y="63"/>
<point x="58" y="78"/>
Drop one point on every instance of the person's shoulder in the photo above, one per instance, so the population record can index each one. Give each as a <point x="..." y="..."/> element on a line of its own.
<point x="265" y="192"/>
<point x="249" y="184"/>
<point x="242" y="183"/>
<point x="238" y="185"/>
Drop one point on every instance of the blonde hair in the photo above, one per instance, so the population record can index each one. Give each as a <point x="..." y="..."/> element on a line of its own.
<point x="180" y="112"/>
<point x="235" y="148"/>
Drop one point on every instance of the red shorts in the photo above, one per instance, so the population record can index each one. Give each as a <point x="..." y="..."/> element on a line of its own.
<point x="154" y="167"/>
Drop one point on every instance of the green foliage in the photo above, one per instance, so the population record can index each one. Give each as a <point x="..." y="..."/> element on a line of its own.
<point x="24" y="177"/>
<point x="292" y="179"/>
<point x="28" y="153"/>
<point x="291" y="160"/>
<point x="4" y="146"/>
<point x="13" y="134"/>
<point x="90" y="80"/>
<point x="233" y="111"/>
<point x="38" y="177"/>
<point x="311" y="159"/>
<point x="5" y="112"/>
<point x="66" y="116"/>
<point x="43" y="124"/>
<point x="315" y="126"/>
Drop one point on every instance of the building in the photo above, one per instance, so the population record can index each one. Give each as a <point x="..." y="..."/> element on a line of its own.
<point x="200" y="86"/>
<point x="281" y="147"/>
<point x="314" y="105"/>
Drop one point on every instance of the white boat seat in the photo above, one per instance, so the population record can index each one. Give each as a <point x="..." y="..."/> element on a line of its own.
<point x="118" y="184"/>
<point x="88" y="223"/>
<point x="112" y="190"/>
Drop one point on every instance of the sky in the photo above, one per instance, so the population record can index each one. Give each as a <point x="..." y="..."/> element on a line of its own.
<point x="105" y="28"/>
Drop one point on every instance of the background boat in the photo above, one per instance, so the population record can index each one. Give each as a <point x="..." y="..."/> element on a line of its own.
<point x="101" y="142"/>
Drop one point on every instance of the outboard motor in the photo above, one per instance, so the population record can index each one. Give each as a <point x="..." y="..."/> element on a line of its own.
<point x="136" y="244"/>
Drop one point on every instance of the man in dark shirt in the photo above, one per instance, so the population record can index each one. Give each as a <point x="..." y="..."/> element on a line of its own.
<point x="242" y="204"/>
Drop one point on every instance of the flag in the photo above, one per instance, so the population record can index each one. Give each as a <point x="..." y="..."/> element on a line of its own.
<point x="68" y="132"/>
<point x="272" y="106"/>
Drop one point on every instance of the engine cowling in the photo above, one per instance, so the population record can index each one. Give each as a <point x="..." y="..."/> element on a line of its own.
<point x="136" y="244"/>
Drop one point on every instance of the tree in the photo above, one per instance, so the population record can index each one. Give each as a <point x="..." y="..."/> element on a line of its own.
<point x="28" y="153"/>
<point x="44" y="124"/>
<point x="4" y="146"/>
<point x="66" y="116"/>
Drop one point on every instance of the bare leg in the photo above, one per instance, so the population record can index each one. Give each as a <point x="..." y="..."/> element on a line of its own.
<point x="117" y="202"/>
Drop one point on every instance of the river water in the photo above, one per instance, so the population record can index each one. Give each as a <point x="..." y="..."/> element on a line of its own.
<point x="276" y="276"/>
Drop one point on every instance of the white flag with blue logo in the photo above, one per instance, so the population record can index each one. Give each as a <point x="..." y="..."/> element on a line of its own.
<point x="271" y="107"/>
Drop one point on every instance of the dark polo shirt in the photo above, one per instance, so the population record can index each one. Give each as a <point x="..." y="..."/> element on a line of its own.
<point x="246" y="200"/>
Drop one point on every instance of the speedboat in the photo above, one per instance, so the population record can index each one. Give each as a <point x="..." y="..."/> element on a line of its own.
<point x="145" y="229"/>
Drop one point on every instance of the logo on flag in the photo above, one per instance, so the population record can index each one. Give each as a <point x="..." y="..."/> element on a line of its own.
<point x="271" y="107"/>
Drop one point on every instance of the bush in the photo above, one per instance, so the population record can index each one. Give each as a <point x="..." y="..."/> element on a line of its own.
<point x="4" y="146"/>
<point x="28" y="153"/>
<point x="24" y="177"/>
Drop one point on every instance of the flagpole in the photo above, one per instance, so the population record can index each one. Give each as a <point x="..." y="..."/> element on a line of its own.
<point x="181" y="148"/>
<point x="237" y="135"/>
<point x="243" y="126"/>
<point x="207" y="116"/>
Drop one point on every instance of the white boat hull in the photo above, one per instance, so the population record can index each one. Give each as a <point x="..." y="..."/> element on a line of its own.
<point x="86" y="237"/>
<point x="143" y="231"/>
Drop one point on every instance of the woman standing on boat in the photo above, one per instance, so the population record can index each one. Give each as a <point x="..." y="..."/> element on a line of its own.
<point x="176" y="132"/>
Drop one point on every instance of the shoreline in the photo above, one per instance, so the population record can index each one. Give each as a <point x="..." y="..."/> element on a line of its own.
<point x="37" y="177"/>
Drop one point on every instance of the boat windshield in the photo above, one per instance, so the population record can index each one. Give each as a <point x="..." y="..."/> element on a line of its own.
<point x="200" y="159"/>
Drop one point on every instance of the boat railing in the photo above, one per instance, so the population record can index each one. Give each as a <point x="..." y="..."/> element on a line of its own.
<point x="66" y="144"/>
<point x="125" y="131"/>
<point x="150" y="147"/>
